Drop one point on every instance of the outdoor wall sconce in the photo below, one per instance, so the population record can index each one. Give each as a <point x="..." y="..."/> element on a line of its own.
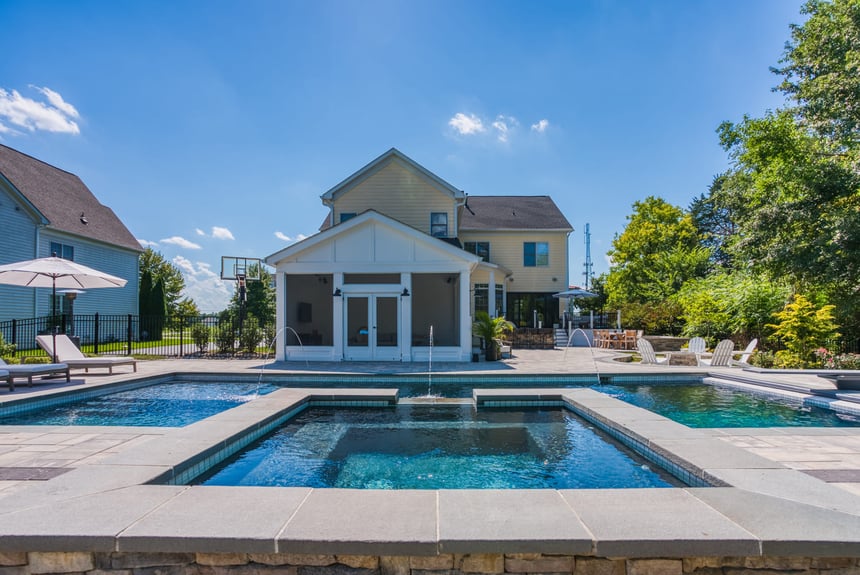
<point x="337" y="292"/>
<point x="405" y="293"/>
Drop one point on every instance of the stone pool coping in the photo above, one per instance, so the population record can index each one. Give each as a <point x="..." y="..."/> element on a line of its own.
<point x="107" y="505"/>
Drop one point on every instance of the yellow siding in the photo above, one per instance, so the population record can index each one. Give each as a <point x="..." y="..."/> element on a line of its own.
<point x="399" y="193"/>
<point x="506" y="249"/>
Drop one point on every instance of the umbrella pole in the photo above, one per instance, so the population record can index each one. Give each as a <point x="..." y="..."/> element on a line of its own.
<point x="54" y="319"/>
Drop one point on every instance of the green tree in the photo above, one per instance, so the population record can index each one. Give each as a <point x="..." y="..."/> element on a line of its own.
<point x="803" y="328"/>
<point x="714" y="221"/>
<point x="656" y="253"/>
<point x="820" y="70"/>
<point x="259" y="302"/>
<point x="153" y="263"/>
<point x="735" y="305"/>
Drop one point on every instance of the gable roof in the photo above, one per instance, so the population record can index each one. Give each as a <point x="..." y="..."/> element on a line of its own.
<point x="391" y="155"/>
<point x="62" y="200"/>
<point x="372" y="216"/>
<point x="487" y="213"/>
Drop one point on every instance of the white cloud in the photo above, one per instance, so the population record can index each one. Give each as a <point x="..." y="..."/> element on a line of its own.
<point x="503" y="125"/>
<point x="466" y="125"/>
<point x="57" y="101"/>
<point x="146" y="243"/>
<point x="284" y="237"/>
<point x="32" y="115"/>
<point x="222" y="233"/>
<point x="541" y="126"/>
<point x="181" y="242"/>
<point x="199" y="232"/>
<point x="205" y="287"/>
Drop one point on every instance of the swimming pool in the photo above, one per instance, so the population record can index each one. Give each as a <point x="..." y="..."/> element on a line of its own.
<point x="174" y="404"/>
<point x="707" y="405"/>
<point x="437" y="447"/>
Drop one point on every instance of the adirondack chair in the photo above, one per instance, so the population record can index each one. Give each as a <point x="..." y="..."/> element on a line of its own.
<point x="722" y="356"/>
<point x="697" y="345"/>
<point x="746" y="354"/>
<point x="646" y="352"/>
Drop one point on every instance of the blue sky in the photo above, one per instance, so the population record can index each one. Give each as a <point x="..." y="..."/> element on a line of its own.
<point x="211" y="128"/>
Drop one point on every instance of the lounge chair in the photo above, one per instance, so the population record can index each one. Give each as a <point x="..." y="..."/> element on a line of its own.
<point x="746" y="354"/>
<point x="67" y="352"/>
<point x="29" y="370"/>
<point x="722" y="356"/>
<point x="646" y="352"/>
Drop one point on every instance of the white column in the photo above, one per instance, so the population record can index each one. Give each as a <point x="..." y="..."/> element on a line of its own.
<point x="491" y="295"/>
<point x="406" y="318"/>
<point x="465" y="318"/>
<point x="280" y="315"/>
<point x="337" y="317"/>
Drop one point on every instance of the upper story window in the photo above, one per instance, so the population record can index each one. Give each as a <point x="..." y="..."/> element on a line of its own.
<point x="346" y="216"/>
<point x="479" y="249"/>
<point x="535" y="254"/>
<point x="439" y="224"/>
<point x="62" y="251"/>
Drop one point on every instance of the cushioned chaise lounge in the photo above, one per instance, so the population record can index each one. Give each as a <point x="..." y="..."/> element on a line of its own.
<point x="29" y="370"/>
<point x="68" y="353"/>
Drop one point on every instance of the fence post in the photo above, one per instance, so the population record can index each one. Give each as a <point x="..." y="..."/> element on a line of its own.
<point x="181" y="336"/>
<point x="15" y="332"/>
<point x="96" y="335"/>
<point x="128" y="336"/>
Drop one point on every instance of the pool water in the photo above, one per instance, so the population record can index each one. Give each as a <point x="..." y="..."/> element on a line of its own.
<point x="705" y="405"/>
<point x="437" y="447"/>
<point x="161" y="405"/>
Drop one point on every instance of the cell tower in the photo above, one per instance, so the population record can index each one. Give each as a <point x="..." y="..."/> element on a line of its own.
<point x="588" y="265"/>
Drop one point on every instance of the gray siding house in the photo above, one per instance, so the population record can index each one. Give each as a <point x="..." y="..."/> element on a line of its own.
<point x="45" y="211"/>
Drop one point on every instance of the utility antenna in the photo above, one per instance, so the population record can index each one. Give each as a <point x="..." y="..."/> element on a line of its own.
<point x="588" y="265"/>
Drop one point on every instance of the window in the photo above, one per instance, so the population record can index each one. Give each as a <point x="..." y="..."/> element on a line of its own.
<point x="482" y="302"/>
<point x="62" y="251"/>
<point x="478" y="248"/>
<point x="535" y="254"/>
<point x="439" y="224"/>
<point x="346" y="216"/>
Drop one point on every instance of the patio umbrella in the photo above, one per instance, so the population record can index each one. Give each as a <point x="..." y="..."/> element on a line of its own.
<point x="574" y="293"/>
<point x="56" y="272"/>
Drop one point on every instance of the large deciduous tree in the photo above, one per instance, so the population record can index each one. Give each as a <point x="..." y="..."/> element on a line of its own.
<point x="656" y="253"/>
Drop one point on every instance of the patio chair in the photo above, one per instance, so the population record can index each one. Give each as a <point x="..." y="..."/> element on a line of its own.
<point x="722" y="356"/>
<point x="29" y="370"/>
<point x="67" y="352"/>
<point x="697" y="345"/>
<point x="646" y="352"/>
<point x="746" y="354"/>
<point x="505" y="348"/>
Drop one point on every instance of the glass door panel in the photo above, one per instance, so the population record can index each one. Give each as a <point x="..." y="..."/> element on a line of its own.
<point x="356" y="321"/>
<point x="386" y="322"/>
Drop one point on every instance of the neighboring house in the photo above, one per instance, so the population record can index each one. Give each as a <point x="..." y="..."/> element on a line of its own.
<point x="403" y="262"/>
<point x="45" y="211"/>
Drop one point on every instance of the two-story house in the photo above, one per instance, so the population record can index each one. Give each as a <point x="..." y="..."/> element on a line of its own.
<point x="45" y="210"/>
<point x="403" y="261"/>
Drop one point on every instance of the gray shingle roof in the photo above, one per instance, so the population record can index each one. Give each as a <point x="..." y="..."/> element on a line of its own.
<point x="64" y="200"/>
<point x="512" y="213"/>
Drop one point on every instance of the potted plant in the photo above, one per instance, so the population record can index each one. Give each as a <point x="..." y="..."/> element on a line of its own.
<point x="490" y="330"/>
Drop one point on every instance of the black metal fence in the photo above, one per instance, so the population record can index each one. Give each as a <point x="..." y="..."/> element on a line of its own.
<point x="199" y="336"/>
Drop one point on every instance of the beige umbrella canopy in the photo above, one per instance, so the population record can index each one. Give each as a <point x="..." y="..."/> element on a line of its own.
<point x="56" y="273"/>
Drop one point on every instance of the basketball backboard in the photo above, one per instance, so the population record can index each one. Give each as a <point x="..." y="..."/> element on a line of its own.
<point x="248" y="269"/>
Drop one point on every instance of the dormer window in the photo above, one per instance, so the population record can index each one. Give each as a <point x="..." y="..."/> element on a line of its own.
<point x="439" y="224"/>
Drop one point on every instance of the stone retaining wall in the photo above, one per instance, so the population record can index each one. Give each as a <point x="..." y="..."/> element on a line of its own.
<point x="44" y="563"/>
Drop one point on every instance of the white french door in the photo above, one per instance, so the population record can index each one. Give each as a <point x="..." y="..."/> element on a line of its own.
<point x="372" y="327"/>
